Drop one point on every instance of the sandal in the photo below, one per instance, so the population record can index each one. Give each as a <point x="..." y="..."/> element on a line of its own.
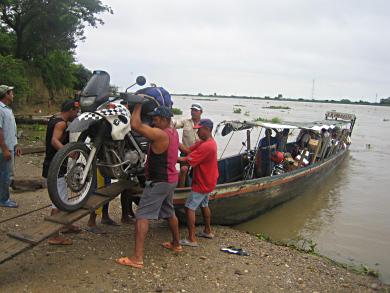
<point x="169" y="245"/>
<point x="186" y="242"/>
<point x="125" y="261"/>
<point x="95" y="230"/>
<point x="71" y="229"/>
<point x="109" y="222"/>
<point x="205" y="235"/>
<point x="58" y="240"/>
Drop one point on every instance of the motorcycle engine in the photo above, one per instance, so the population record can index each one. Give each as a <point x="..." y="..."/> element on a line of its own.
<point x="132" y="156"/>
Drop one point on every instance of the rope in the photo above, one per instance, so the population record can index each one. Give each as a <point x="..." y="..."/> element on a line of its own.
<point x="227" y="145"/>
<point x="24" y="214"/>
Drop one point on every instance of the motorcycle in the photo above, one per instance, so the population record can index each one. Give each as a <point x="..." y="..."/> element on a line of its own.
<point x="105" y="142"/>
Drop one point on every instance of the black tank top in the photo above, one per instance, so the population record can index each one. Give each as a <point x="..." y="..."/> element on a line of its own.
<point x="50" y="150"/>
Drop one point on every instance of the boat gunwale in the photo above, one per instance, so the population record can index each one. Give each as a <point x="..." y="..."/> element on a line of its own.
<point x="245" y="186"/>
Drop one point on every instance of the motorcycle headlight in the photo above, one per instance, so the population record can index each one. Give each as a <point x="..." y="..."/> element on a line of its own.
<point x="87" y="101"/>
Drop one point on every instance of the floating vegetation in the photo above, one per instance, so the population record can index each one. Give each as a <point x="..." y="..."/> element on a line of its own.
<point x="278" y="107"/>
<point x="213" y="100"/>
<point x="237" y="110"/>
<point x="273" y="120"/>
<point x="246" y="113"/>
<point x="369" y="272"/>
<point x="177" y="111"/>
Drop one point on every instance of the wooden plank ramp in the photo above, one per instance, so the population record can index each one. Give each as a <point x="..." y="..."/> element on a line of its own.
<point x="18" y="242"/>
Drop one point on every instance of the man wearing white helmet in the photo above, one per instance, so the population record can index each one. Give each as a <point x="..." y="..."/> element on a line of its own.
<point x="190" y="136"/>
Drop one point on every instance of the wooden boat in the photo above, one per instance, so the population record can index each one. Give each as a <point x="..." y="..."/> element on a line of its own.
<point x="236" y="199"/>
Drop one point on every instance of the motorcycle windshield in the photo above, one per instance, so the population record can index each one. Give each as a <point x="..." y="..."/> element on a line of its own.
<point x="98" y="86"/>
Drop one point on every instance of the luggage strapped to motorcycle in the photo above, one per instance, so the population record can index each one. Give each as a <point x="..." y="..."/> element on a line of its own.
<point x="157" y="94"/>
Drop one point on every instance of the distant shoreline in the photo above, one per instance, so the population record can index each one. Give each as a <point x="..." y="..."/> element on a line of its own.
<point x="343" y="102"/>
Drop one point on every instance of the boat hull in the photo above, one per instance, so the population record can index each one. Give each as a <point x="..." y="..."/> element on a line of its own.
<point x="237" y="202"/>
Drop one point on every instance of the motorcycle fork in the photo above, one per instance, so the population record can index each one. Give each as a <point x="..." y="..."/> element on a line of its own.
<point x="94" y="149"/>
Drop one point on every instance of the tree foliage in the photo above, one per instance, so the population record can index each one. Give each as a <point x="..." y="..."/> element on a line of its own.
<point x="43" y="34"/>
<point x="13" y="73"/>
<point x="42" y="26"/>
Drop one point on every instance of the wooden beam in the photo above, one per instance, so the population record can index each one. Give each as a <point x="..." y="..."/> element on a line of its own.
<point x="37" y="233"/>
<point x="33" y="150"/>
<point x="20" y="241"/>
<point x="65" y="218"/>
<point x="11" y="247"/>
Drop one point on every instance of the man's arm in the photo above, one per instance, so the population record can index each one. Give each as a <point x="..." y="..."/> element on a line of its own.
<point x="159" y="138"/>
<point x="178" y="123"/>
<point x="6" y="152"/>
<point x="197" y="155"/>
<point x="184" y="149"/>
<point x="59" y="129"/>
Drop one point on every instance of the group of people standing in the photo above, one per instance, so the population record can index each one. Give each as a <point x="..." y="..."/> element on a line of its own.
<point x="198" y="151"/>
<point x="198" y="167"/>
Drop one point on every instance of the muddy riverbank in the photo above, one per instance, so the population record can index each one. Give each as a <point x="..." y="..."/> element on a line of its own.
<point x="89" y="264"/>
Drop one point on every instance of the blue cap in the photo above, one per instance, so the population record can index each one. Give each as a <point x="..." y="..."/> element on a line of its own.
<point x="204" y="123"/>
<point x="162" y="111"/>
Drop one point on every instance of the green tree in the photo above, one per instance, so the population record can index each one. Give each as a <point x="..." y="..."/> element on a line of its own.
<point x="57" y="70"/>
<point x="82" y="75"/>
<point x="13" y="73"/>
<point x="7" y="42"/>
<point x="42" y="26"/>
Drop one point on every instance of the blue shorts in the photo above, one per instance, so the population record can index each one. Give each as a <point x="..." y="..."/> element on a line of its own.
<point x="197" y="199"/>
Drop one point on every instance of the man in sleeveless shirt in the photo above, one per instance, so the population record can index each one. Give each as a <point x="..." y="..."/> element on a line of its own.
<point x="161" y="175"/>
<point x="56" y="138"/>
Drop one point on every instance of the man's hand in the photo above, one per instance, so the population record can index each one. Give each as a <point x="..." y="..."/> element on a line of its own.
<point x="184" y="149"/>
<point x="18" y="151"/>
<point x="7" y="154"/>
<point x="181" y="159"/>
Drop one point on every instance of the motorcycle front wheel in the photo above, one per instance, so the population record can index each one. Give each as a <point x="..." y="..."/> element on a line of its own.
<point x="64" y="181"/>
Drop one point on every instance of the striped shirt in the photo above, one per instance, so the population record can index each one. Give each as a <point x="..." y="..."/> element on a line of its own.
<point x="162" y="167"/>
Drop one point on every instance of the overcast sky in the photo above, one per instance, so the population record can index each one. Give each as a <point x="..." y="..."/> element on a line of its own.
<point x="245" y="47"/>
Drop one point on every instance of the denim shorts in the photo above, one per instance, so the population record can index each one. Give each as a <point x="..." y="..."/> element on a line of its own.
<point x="197" y="199"/>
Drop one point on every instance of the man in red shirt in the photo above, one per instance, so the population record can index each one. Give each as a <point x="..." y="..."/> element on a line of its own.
<point x="202" y="157"/>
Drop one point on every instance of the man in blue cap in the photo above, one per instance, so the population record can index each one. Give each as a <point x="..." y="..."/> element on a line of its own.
<point x="202" y="157"/>
<point x="8" y="145"/>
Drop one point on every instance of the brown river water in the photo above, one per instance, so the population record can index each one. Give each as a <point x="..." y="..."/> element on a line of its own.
<point x="347" y="215"/>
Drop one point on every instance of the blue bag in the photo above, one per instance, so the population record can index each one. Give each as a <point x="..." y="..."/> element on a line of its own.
<point x="160" y="94"/>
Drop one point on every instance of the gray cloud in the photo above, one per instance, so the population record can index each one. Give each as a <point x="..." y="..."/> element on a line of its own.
<point x="247" y="47"/>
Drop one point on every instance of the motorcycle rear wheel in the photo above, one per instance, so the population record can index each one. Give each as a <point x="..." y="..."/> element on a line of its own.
<point x="64" y="178"/>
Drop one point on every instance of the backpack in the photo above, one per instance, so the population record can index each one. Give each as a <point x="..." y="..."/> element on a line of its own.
<point x="159" y="94"/>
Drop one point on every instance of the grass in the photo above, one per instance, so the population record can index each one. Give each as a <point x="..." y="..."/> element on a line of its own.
<point x="212" y="100"/>
<point x="278" y="107"/>
<point x="31" y="132"/>
<point x="177" y="111"/>
<point x="237" y="110"/>
<point x="273" y="120"/>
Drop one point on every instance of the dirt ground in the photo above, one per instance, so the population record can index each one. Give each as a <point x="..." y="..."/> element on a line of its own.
<point x="89" y="264"/>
